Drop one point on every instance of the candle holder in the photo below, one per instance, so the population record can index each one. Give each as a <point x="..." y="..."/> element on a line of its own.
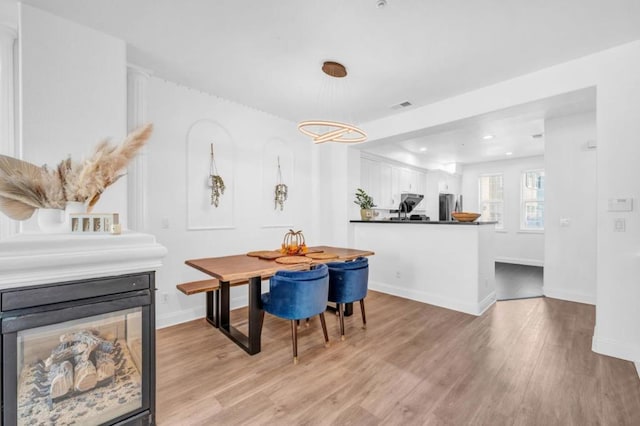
<point x="293" y="243"/>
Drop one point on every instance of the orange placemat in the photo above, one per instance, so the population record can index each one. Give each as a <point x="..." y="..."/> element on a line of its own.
<point x="306" y="252"/>
<point x="265" y="254"/>
<point x="322" y="256"/>
<point x="292" y="260"/>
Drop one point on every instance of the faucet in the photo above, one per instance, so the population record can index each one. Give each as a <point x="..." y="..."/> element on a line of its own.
<point x="403" y="209"/>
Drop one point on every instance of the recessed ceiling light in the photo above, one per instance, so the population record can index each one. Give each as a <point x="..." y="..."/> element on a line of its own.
<point x="423" y="149"/>
<point x="488" y="137"/>
<point x="508" y="153"/>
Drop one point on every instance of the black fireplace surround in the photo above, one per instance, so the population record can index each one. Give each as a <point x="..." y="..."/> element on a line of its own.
<point x="117" y="314"/>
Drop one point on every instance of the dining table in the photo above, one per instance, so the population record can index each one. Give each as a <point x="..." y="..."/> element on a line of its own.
<point x="251" y="270"/>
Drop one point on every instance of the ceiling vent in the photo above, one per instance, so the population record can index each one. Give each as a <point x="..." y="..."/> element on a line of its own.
<point x="401" y="105"/>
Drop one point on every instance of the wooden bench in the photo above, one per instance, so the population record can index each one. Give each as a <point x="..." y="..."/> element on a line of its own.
<point x="199" y="286"/>
<point x="212" y="288"/>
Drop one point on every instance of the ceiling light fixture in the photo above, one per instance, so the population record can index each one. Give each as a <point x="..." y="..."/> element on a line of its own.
<point x="381" y="3"/>
<point x="508" y="153"/>
<point x="322" y="131"/>
<point x="488" y="137"/>
<point x="423" y="149"/>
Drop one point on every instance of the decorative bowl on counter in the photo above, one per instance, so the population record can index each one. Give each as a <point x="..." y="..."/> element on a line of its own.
<point x="465" y="216"/>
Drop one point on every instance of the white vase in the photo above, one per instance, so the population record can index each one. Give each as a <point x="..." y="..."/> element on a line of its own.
<point x="51" y="221"/>
<point x="74" y="207"/>
<point x="56" y="221"/>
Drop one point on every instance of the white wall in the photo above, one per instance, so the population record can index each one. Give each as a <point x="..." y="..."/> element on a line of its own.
<point x="570" y="249"/>
<point x="618" y="265"/>
<point x="336" y="174"/>
<point x="616" y="75"/>
<point x="511" y="244"/>
<point x="173" y="109"/>
<point x="71" y="97"/>
<point x="74" y="94"/>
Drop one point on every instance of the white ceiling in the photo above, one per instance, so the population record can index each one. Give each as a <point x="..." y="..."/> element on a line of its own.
<point x="268" y="55"/>
<point x="463" y="142"/>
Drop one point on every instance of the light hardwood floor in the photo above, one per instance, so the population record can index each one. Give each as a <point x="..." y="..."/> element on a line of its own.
<point x="524" y="362"/>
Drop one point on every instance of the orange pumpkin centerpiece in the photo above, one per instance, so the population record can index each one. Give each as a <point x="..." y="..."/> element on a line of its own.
<point x="293" y="243"/>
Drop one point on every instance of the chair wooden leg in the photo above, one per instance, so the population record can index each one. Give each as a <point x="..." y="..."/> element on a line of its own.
<point x="294" y="338"/>
<point x="341" y="314"/>
<point x="306" y="324"/>
<point x="324" y="330"/>
<point x="364" y="317"/>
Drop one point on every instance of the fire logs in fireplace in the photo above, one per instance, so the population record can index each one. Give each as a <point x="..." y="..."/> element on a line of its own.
<point x="84" y="374"/>
<point x="82" y="361"/>
<point x="77" y="383"/>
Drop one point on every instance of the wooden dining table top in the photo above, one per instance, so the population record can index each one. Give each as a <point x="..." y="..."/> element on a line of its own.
<point x="242" y="267"/>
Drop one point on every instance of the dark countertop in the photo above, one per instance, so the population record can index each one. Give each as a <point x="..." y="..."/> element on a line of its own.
<point x="423" y="222"/>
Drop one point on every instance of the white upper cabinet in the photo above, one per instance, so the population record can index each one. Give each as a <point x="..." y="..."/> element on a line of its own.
<point x="447" y="183"/>
<point x="370" y="178"/>
<point x="385" y="182"/>
<point x="421" y="183"/>
<point x="386" y="191"/>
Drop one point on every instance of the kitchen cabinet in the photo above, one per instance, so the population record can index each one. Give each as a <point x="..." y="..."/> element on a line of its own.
<point x="375" y="179"/>
<point x="370" y="178"/>
<point x="439" y="182"/>
<point x="447" y="183"/>
<point x="386" y="191"/>
<point x="421" y="183"/>
<point x="385" y="182"/>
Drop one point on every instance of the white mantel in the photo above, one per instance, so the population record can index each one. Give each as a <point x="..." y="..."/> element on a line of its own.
<point x="37" y="258"/>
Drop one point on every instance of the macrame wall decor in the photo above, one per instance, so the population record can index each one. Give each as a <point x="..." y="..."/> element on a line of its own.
<point x="281" y="190"/>
<point x="215" y="181"/>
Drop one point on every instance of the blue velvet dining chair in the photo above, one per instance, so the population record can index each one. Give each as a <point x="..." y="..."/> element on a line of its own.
<point x="348" y="282"/>
<point x="296" y="295"/>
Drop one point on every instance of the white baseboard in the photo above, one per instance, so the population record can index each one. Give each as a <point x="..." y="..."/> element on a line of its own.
<point x="185" y="315"/>
<point x="569" y="295"/>
<point x="434" y="299"/>
<point x="615" y="348"/>
<point x="637" y="363"/>
<point x="487" y="302"/>
<point x="517" y="261"/>
<point x="174" y="318"/>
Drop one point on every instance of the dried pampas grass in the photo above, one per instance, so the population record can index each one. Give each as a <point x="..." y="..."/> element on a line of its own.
<point x="103" y="168"/>
<point x="25" y="187"/>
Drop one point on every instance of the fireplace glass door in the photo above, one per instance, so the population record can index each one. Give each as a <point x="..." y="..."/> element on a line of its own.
<point x="85" y="371"/>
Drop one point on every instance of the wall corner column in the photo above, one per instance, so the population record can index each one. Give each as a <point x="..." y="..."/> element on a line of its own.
<point x="137" y="176"/>
<point x="8" y="143"/>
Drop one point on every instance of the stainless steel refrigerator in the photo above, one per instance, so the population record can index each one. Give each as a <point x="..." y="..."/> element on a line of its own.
<point x="447" y="206"/>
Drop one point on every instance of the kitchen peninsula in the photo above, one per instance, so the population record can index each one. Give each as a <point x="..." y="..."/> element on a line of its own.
<point x="448" y="264"/>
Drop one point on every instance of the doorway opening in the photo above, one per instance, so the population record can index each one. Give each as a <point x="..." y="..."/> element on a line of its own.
<point x="518" y="281"/>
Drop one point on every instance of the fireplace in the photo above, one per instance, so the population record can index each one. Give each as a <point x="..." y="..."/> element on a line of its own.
<point x="79" y="351"/>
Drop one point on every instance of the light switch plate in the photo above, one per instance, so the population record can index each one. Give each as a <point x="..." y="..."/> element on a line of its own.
<point x="620" y="204"/>
<point x="619" y="225"/>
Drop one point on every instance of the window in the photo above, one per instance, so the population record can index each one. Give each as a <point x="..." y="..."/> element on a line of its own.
<point x="492" y="198"/>
<point x="532" y="201"/>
